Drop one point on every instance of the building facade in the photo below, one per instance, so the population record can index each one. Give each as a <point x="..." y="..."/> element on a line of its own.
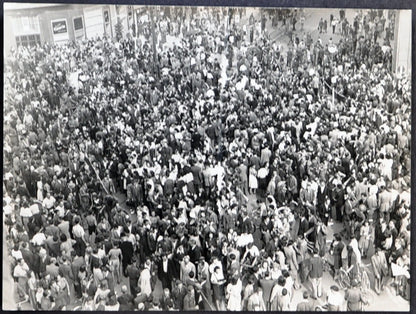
<point x="31" y="24"/>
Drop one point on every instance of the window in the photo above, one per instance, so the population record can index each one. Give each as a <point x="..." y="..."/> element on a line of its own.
<point x="26" y="25"/>
<point x="28" y="40"/>
<point x="106" y="17"/>
<point x="78" y="24"/>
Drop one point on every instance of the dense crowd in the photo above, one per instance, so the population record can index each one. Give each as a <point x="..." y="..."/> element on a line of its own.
<point x="235" y="155"/>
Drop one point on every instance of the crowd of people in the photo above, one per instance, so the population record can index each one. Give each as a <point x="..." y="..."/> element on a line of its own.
<point x="214" y="167"/>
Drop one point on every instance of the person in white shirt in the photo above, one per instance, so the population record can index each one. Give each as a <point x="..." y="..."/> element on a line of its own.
<point x="145" y="278"/>
<point x="48" y="201"/>
<point x="39" y="238"/>
<point x="335" y="299"/>
<point x="79" y="236"/>
<point x="16" y="253"/>
<point x="20" y="272"/>
<point x="218" y="281"/>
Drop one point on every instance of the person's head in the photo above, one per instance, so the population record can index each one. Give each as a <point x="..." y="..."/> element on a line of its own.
<point x="124" y="289"/>
<point x="63" y="237"/>
<point x="259" y="290"/>
<point x="104" y="285"/>
<point x="285" y="273"/>
<point x="148" y="262"/>
<point x="305" y="295"/>
<point x="112" y="298"/>
<point x="281" y="281"/>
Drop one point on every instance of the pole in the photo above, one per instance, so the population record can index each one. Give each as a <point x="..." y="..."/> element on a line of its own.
<point x="155" y="62"/>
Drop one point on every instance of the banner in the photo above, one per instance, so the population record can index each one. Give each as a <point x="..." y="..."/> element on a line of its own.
<point x="59" y="31"/>
<point x="59" y="27"/>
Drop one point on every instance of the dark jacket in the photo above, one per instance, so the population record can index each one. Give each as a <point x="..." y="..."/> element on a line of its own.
<point x="317" y="267"/>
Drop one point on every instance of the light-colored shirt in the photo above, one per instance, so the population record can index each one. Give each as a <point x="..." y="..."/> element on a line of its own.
<point x="78" y="231"/>
<point x="335" y="298"/>
<point x="39" y="239"/>
<point x="20" y="270"/>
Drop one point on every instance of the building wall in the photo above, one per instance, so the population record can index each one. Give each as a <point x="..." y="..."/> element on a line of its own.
<point x="9" y="38"/>
<point x="402" y="54"/>
<point x="92" y="17"/>
<point x="46" y="17"/>
<point x="94" y="21"/>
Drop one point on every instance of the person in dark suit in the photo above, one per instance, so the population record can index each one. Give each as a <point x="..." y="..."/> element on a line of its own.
<point x="354" y="297"/>
<point x="178" y="295"/>
<point x="150" y="237"/>
<point x="194" y="251"/>
<point x="339" y="200"/>
<point x="27" y="255"/>
<point x="125" y="300"/>
<point x="320" y="200"/>
<point x="267" y="284"/>
<point x="127" y="251"/>
<point x="166" y="300"/>
<point x="336" y="247"/>
<point x="198" y="178"/>
<point x="165" y="272"/>
<point x="348" y="208"/>
<point x="271" y="246"/>
<point x="315" y="274"/>
<point x="133" y="273"/>
<point x="303" y="224"/>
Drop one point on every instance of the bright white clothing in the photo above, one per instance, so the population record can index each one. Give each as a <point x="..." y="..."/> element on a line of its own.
<point x="145" y="281"/>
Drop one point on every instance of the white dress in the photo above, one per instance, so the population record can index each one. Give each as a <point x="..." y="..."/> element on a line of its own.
<point x="234" y="293"/>
<point x="145" y="282"/>
<point x="39" y="193"/>
<point x="252" y="179"/>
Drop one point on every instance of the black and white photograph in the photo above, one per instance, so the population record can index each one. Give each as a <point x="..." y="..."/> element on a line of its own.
<point x="206" y="158"/>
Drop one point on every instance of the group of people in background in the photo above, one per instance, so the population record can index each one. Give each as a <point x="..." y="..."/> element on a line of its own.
<point x="209" y="173"/>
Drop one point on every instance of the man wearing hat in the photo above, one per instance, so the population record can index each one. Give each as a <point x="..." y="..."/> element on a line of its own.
<point x="354" y="297"/>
